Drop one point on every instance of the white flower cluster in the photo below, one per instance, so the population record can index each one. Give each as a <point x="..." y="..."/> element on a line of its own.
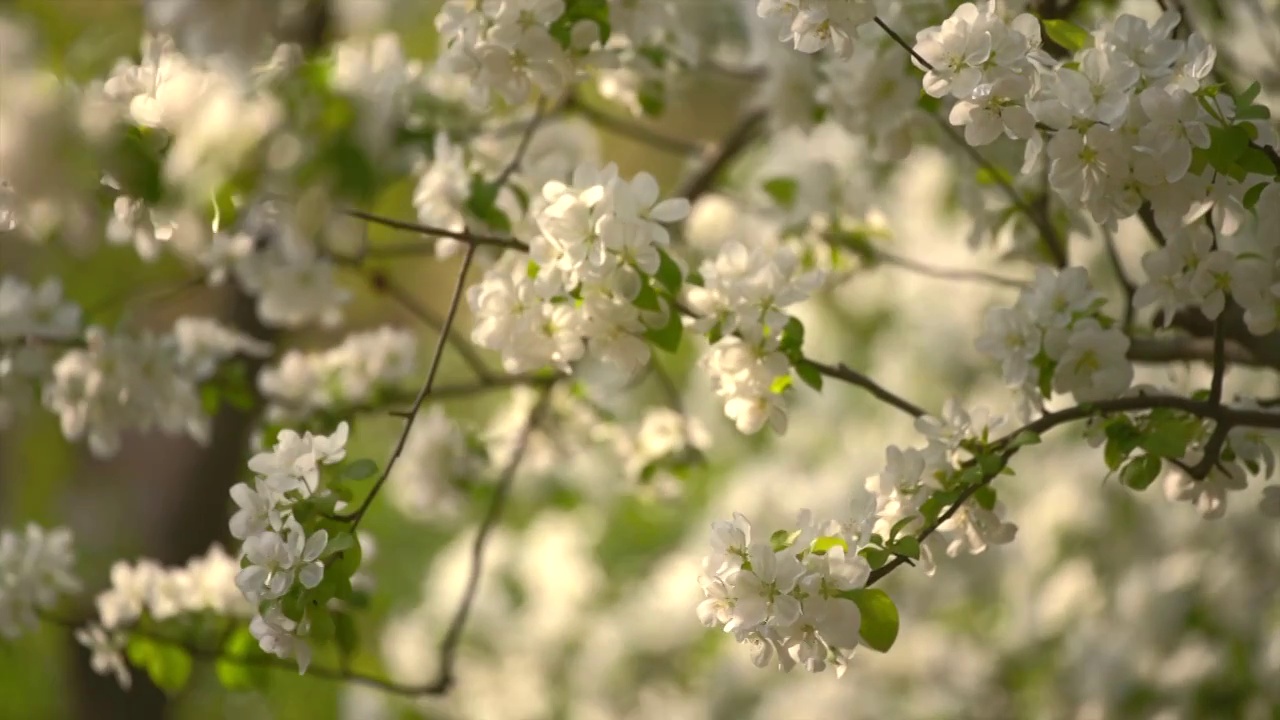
<point x="586" y="279"/>
<point x="506" y="47"/>
<point x="1123" y="117"/>
<point x="784" y="598"/>
<point x="811" y="25"/>
<point x="1055" y="339"/>
<point x="34" y="321"/>
<point x="351" y="373"/>
<point x="277" y="550"/>
<point x="35" y="570"/>
<point x="740" y="305"/>
<point x="205" y="584"/>
<point x="912" y="476"/>
<point x="212" y="113"/>
<point x="139" y="381"/>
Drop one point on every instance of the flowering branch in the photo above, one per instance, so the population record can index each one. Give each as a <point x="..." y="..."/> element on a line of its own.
<point x="385" y="285"/>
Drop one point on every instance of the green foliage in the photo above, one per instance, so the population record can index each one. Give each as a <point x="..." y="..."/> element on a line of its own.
<point x="879" y="617"/>
<point x="1140" y="472"/>
<point x="236" y="675"/>
<point x="361" y="469"/>
<point x="782" y="539"/>
<point x="168" y="664"/>
<point x="821" y="545"/>
<point x="782" y="190"/>
<point x="668" y="273"/>
<point x="1070" y="36"/>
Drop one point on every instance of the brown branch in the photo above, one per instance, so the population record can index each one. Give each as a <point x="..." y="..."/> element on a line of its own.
<point x="853" y="377"/>
<point x="385" y="285"/>
<point x="468" y="237"/>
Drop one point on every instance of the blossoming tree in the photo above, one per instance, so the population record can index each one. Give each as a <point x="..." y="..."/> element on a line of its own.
<point x="1114" y="316"/>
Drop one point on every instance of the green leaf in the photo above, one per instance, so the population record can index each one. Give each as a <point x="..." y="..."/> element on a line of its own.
<point x="360" y="469"/>
<point x="1249" y="94"/>
<point x="1256" y="160"/>
<point x="782" y="190"/>
<point x="875" y="557"/>
<point x="338" y="542"/>
<point x="1226" y="146"/>
<point x="345" y="563"/>
<point x="168" y="664"/>
<point x="236" y="675"/>
<point x="879" y="617"/>
<point x="668" y="273"/>
<point x="908" y="546"/>
<point x="1070" y="36"/>
<point x="1252" y="194"/>
<point x="782" y="539"/>
<point x="792" y="340"/>
<point x="1140" y="472"/>
<point x="668" y="336"/>
<point x="647" y="299"/>
<point x="1168" y="433"/>
<point x="825" y="543"/>
<point x="986" y="497"/>
<point x="1122" y="439"/>
<point x="810" y="374"/>
<point x="135" y="163"/>
<point x="900" y="526"/>
<point x="482" y="203"/>
<point x="1253" y="112"/>
<point x="652" y="97"/>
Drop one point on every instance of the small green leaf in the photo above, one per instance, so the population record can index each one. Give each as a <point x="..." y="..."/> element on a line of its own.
<point x="792" y="340"/>
<point x="986" y="497"/>
<point x="647" y="298"/>
<point x="1256" y="161"/>
<point x="782" y="539"/>
<point x="1252" y="194"/>
<point x="899" y="526"/>
<point x="322" y="625"/>
<point x="338" y="542"/>
<point x="879" y="617"/>
<point x="668" y="336"/>
<point x="1140" y="472"/>
<point x="652" y="96"/>
<point x="825" y="543"/>
<point x="908" y="546"/>
<point x="782" y="190"/>
<point x="1226" y="146"/>
<point x="668" y="273"/>
<point x="1070" y="36"/>
<point x="875" y="557"/>
<point x="1249" y="94"/>
<point x="810" y="374"/>
<point x="360" y="469"/>
<point x="1168" y="433"/>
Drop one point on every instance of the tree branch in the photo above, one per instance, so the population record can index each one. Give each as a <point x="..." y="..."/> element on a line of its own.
<point x="716" y="158"/>
<point x="853" y="377"/>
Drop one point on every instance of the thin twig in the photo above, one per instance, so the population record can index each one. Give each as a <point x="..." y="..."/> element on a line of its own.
<point x="1188" y="349"/>
<point x="979" y="276"/>
<point x="853" y="377"/>
<point x="453" y="635"/>
<point x="465" y="236"/>
<point x="1055" y="244"/>
<point x="523" y="147"/>
<point x="454" y="304"/>
<point x="385" y="285"/>
<point x="635" y="131"/>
